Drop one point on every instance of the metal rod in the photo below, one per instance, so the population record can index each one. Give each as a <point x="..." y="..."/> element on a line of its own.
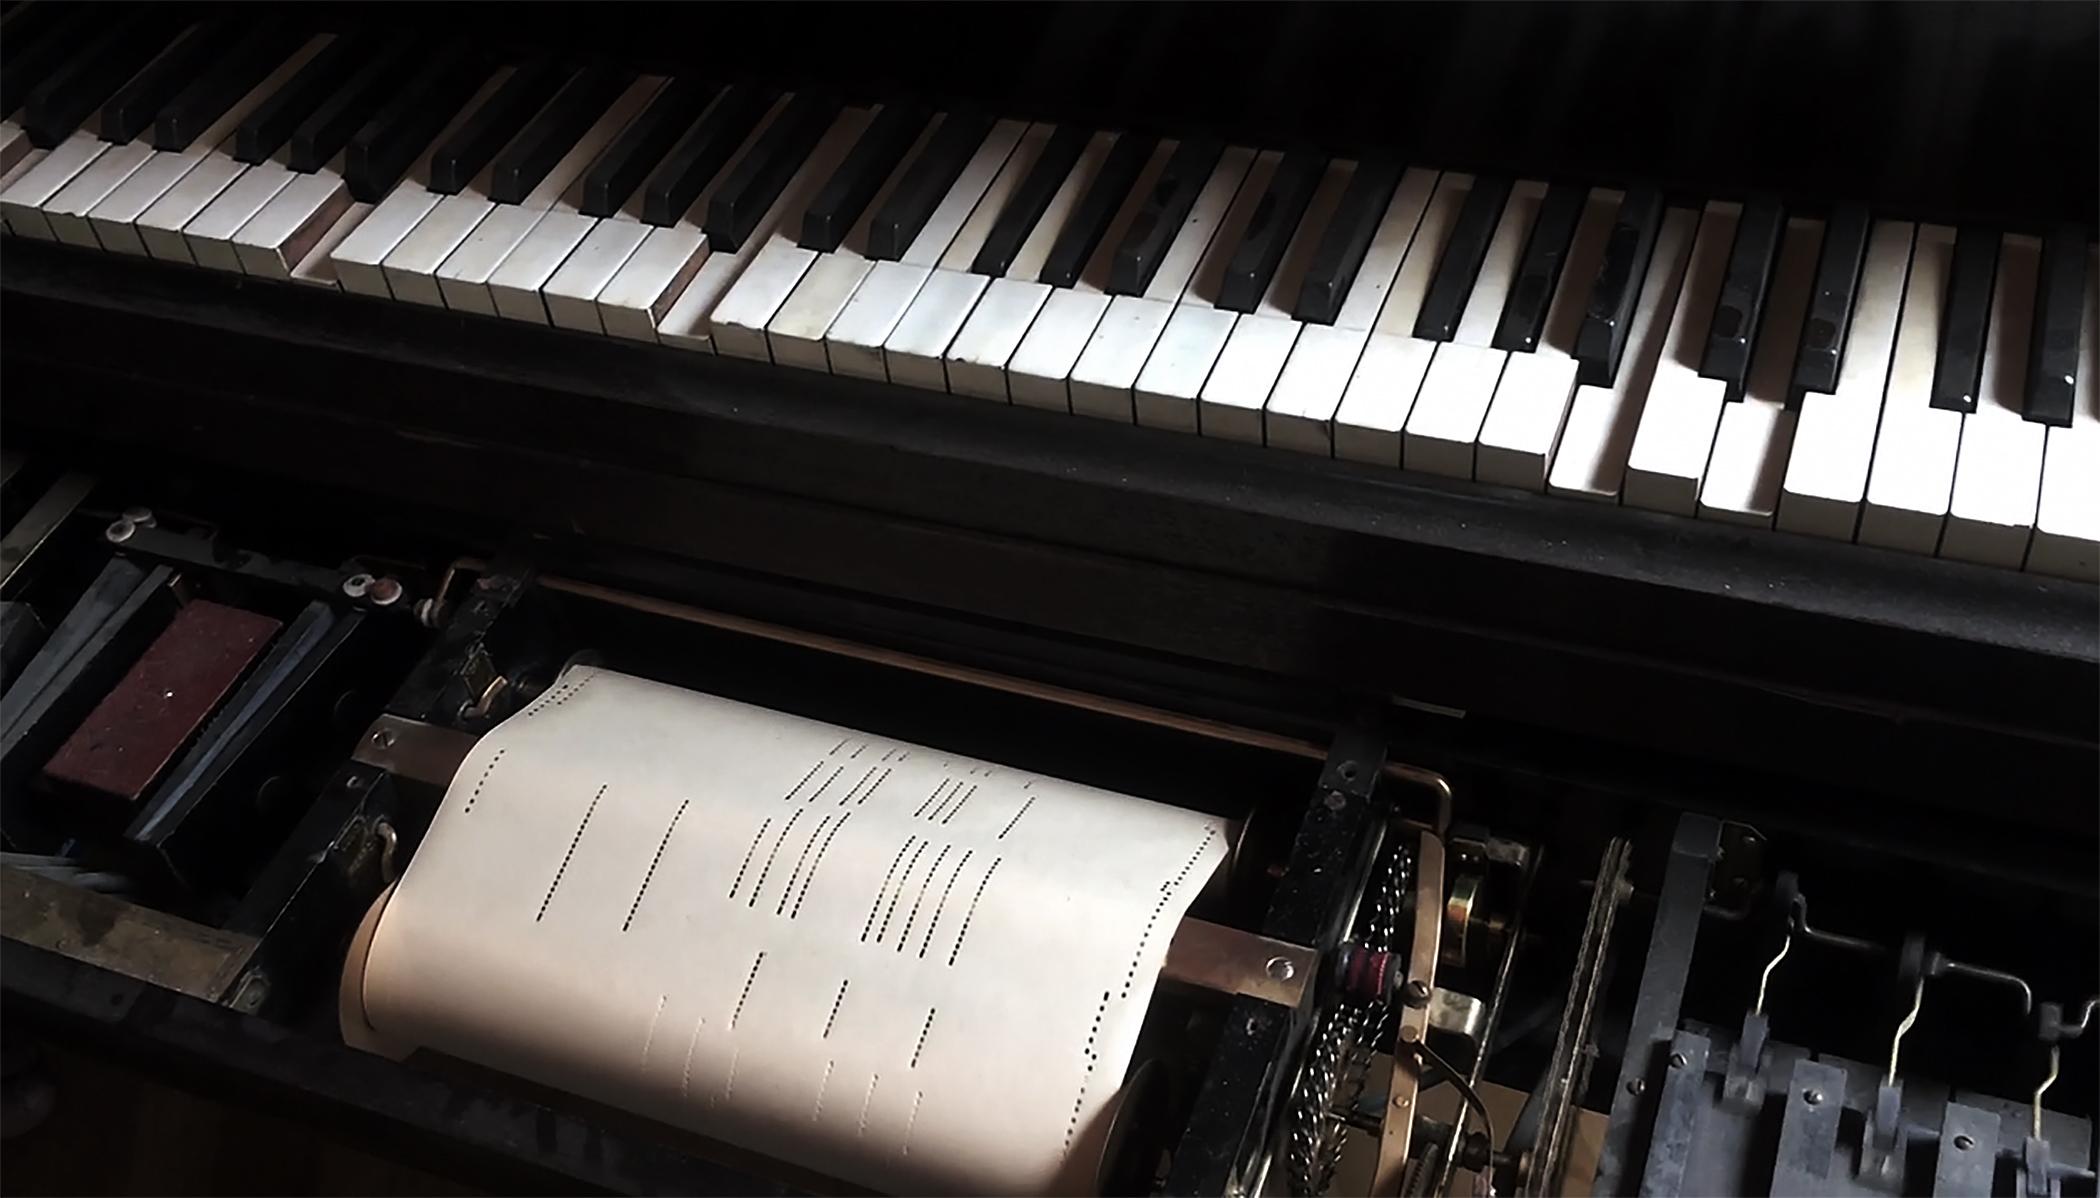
<point x="1984" y="973"/>
<point x="1917" y="1000"/>
<point x="1765" y="979"/>
<point x="1435" y="783"/>
<point x="2055" y="1053"/>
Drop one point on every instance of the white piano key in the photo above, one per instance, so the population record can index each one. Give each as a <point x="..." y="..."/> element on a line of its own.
<point x="22" y="166"/>
<point x="1167" y="387"/>
<point x="1456" y="393"/>
<point x="1232" y="399"/>
<point x="912" y="353"/>
<point x="514" y="287"/>
<point x="1911" y="479"/>
<point x="360" y="257"/>
<point x="1675" y="433"/>
<point x="281" y="235"/>
<point x="113" y="220"/>
<point x="1381" y="393"/>
<point x="640" y="296"/>
<point x="1301" y="408"/>
<point x="1755" y="433"/>
<point x="1591" y="460"/>
<point x="357" y="258"/>
<point x="1037" y="373"/>
<point x="915" y="351"/>
<point x="1826" y="473"/>
<point x="2067" y="518"/>
<point x="1998" y="472"/>
<point x="14" y="144"/>
<point x="689" y="322"/>
<point x="160" y="227"/>
<point x="317" y="269"/>
<point x="1453" y="401"/>
<point x="796" y="332"/>
<point x="209" y="235"/>
<point x="1107" y="371"/>
<point x="572" y="294"/>
<point x="854" y="343"/>
<point x="463" y="278"/>
<point x="411" y="269"/>
<point x="1524" y="423"/>
<point x="769" y="264"/>
<point x="22" y="204"/>
<point x="976" y="360"/>
<point x="67" y="211"/>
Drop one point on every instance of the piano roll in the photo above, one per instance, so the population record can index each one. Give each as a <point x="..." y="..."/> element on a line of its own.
<point x="899" y="967"/>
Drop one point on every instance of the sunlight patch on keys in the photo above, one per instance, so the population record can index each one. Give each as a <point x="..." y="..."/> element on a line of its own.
<point x="2067" y="521"/>
<point x="1912" y="476"/>
<point x="1750" y="447"/>
<point x="1453" y="403"/>
<point x="1036" y="374"/>
<point x="1591" y="460"/>
<point x="1675" y="433"/>
<point x="976" y="361"/>
<point x="1524" y="422"/>
<point x="1381" y="393"/>
<point x="1300" y="413"/>
<point x="1231" y="402"/>
<point x="1826" y="474"/>
<point x="1998" y="471"/>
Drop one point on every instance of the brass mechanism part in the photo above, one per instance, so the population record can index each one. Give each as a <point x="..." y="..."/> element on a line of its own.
<point x="1438" y="786"/>
<point x="1227" y="960"/>
<point x="1458" y="918"/>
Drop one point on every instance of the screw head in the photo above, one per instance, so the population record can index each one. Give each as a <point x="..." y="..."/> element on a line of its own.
<point x="1281" y="969"/>
<point x="357" y="585"/>
<point x="119" y="531"/>
<point x="1676" y="1060"/>
<point x="384" y="591"/>
<point x="1963" y="1143"/>
<point x="1636" y="1087"/>
<point x="1415" y="993"/>
<point x="1812" y="1097"/>
<point x="1336" y="800"/>
<point x="383" y="738"/>
<point x="141" y="516"/>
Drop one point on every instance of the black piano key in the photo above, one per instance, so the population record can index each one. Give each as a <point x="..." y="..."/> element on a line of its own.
<point x="1025" y="207"/>
<point x="1829" y="315"/>
<point x="483" y="135"/>
<point x="694" y="162"/>
<point x="1731" y="334"/>
<point x="381" y="150"/>
<point x="1609" y="315"/>
<point x="555" y="131"/>
<point x="29" y="59"/>
<point x="925" y="184"/>
<point x="1269" y="230"/>
<point x="1538" y="271"/>
<point x="138" y="102"/>
<point x="643" y="144"/>
<point x="1347" y="239"/>
<point x="1965" y="321"/>
<point x="758" y="178"/>
<point x="272" y="123"/>
<point x="239" y="67"/>
<point x="1089" y="219"/>
<point x="326" y="130"/>
<point x="73" y="92"/>
<point x="845" y="196"/>
<point x="2059" y="315"/>
<point x="1458" y="268"/>
<point x="1159" y="221"/>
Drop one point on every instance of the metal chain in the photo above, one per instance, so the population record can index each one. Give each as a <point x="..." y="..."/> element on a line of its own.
<point x="1338" y="1059"/>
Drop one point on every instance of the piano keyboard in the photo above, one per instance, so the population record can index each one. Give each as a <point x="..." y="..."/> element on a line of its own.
<point x="1834" y="374"/>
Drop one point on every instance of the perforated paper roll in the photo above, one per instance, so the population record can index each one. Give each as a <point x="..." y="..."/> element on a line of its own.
<point x="899" y="967"/>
